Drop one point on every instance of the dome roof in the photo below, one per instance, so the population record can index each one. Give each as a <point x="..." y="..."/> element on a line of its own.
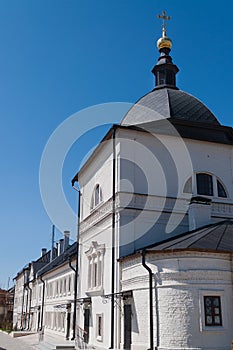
<point x="168" y="103"/>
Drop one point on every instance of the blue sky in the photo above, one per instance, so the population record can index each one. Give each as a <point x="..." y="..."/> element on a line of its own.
<point x="60" y="56"/>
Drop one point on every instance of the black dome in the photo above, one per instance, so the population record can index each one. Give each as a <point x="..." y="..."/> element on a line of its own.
<point x="168" y="103"/>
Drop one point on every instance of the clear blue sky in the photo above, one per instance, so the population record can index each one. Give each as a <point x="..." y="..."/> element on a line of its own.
<point x="59" y="56"/>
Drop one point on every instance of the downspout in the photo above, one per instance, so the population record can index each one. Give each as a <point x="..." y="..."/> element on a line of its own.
<point x="76" y="268"/>
<point x="75" y="294"/>
<point x="113" y="233"/>
<point x="30" y="302"/>
<point x="42" y="304"/>
<point x="21" y="323"/>
<point x="26" y="311"/>
<point x="150" y="299"/>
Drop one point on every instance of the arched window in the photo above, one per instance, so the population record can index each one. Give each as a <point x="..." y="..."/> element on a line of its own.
<point x="188" y="186"/>
<point x="96" y="196"/>
<point x="221" y="190"/>
<point x="204" y="184"/>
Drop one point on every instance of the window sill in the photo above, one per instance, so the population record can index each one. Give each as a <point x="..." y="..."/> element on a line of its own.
<point x="95" y="291"/>
<point x="213" y="329"/>
<point x="96" y="207"/>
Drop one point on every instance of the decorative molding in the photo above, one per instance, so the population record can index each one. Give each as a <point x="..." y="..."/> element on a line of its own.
<point x="95" y="249"/>
<point x="190" y="277"/>
<point x="148" y="203"/>
<point x="99" y="213"/>
<point x="222" y="209"/>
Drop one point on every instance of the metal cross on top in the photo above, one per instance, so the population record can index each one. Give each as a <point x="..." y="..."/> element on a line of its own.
<point x="164" y="18"/>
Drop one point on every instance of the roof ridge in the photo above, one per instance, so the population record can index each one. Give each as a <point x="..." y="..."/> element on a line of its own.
<point x="220" y="239"/>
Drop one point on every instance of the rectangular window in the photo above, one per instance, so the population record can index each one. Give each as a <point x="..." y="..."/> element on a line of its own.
<point x="213" y="312"/>
<point x="95" y="257"/>
<point x="95" y="274"/>
<point x="204" y="184"/>
<point x="69" y="285"/>
<point x="99" y="327"/>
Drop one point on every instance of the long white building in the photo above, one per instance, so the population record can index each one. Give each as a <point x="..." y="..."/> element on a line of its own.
<point x="156" y="229"/>
<point x="152" y="268"/>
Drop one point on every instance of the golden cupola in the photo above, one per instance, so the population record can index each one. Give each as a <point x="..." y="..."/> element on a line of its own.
<point x="165" y="70"/>
<point x="164" y="42"/>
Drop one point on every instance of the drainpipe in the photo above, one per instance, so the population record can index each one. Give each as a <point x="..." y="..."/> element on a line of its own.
<point x="75" y="293"/>
<point x="38" y="320"/>
<point x="113" y="233"/>
<point x="76" y="268"/>
<point x="21" y="323"/>
<point x="42" y="304"/>
<point x="30" y="302"/>
<point x="150" y="299"/>
<point x="26" y="311"/>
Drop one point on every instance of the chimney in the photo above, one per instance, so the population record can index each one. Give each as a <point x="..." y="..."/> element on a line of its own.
<point x="199" y="212"/>
<point x="60" y="247"/>
<point x="43" y="251"/>
<point x="66" y="239"/>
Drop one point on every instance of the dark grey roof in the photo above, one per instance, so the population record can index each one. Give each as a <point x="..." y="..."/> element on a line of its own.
<point x="61" y="259"/>
<point x="37" y="264"/>
<point x="168" y="103"/>
<point x="218" y="237"/>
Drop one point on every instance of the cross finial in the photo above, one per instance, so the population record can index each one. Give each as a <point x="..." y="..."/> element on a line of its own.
<point x="164" y="18"/>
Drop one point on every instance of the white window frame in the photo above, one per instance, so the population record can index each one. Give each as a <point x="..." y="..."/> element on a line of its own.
<point x="215" y="179"/>
<point x="95" y="256"/>
<point x="212" y="292"/>
<point x="97" y="197"/>
<point x="64" y="286"/>
<point x="69" y="281"/>
<point x="99" y="337"/>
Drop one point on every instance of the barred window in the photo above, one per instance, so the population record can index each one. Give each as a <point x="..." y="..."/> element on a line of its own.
<point x="204" y="184"/>
<point x="213" y="312"/>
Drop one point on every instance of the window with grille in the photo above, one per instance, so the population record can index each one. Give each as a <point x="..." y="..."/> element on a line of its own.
<point x="204" y="184"/>
<point x="213" y="312"/>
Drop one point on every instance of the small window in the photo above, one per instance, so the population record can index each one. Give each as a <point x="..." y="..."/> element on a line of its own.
<point x="64" y="291"/>
<point x="204" y="184"/>
<point x="56" y="288"/>
<point x="61" y="286"/>
<point x="99" y="327"/>
<point x="213" y="312"/>
<point x="95" y="274"/>
<point x="221" y="191"/>
<point x="69" y="284"/>
<point x="95" y="256"/>
<point x="188" y="186"/>
<point x="96" y="196"/>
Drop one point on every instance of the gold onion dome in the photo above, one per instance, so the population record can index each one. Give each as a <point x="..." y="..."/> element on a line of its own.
<point x="164" y="42"/>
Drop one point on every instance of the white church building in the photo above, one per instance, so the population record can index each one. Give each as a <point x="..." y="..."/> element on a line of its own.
<point x="152" y="266"/>
<point x="156" y="226"/>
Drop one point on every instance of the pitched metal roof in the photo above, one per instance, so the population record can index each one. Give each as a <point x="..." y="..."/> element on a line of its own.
<point x="59" y="260"/>
<point x="168" y="103"/>
<point x="218" y="237"/>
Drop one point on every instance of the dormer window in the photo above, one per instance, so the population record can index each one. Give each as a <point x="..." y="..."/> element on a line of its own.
<point x="205" y="184"/>
<point x="96" y="198"/>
